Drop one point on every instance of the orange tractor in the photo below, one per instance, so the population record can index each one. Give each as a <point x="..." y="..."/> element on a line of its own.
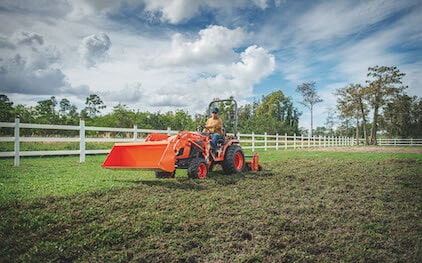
<point x="186" y="150"/>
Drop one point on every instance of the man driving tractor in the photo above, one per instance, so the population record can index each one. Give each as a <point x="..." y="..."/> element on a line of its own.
<point x="214" y="126"/>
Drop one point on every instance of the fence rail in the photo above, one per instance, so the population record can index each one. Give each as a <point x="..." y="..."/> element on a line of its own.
<point x="277" y="142"/>
<point x="248" y="141"/>
<point x="399" y="142"/>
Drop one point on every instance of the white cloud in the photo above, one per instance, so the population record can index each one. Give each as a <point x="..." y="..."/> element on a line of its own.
<point x="93" y="48"/>
<point x="238" y="80"/>
<point x="215" y="45"/>
<point x="188" y="75"/>
<point x="174" y="11"/>
<point x="255" y="64"/>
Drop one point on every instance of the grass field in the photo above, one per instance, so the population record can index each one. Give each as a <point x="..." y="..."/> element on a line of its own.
<point x="306" y="205"/>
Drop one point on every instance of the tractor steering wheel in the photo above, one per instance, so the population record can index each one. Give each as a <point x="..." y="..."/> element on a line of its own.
<point x="200" y="128"/>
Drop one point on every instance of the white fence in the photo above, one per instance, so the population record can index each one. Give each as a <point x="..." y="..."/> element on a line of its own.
<point x="82" y="139"/>
<point x="277" y="142"/>
<point x="248" y="141"/>
<point x="399" y="142"/>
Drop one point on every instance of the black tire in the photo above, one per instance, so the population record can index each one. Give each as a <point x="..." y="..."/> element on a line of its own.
<point x="234" y="160"/>
<point x="198" y="168"/>
<point x="160" y="174"/>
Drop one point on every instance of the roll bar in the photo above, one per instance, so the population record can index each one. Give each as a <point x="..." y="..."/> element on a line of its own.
<point x="210" y="106"/>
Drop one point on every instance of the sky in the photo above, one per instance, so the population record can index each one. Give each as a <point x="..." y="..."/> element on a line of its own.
<point x="163" y="55"/>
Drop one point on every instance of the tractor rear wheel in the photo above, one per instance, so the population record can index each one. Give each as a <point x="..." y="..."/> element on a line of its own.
<point x="234" y="160"/>
<point x="198" y="168"/>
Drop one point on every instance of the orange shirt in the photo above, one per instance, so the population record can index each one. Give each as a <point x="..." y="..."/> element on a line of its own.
<point x="214" y="125"/>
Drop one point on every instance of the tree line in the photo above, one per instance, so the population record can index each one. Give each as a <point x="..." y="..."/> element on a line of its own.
<point x="394" y="113"/>
<point x="274" y="113"/>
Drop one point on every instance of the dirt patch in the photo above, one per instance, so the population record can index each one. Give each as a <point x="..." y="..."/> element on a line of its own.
<point x="368" y="149"/>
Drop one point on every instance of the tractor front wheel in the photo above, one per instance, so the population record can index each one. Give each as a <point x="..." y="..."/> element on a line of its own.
<point x="234" y="160"/>
<point x="198" y="168"/>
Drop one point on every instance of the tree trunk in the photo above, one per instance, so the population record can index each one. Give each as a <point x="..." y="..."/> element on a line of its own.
<point x="312" y="122"/>
<point x="357" y="131"/>
<point x="374" y="126"/>
<point x="365" y="132"/>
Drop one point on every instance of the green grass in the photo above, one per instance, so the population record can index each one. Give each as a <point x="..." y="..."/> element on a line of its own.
<point x="59" y="176"/>
<point x="305" y="206"/>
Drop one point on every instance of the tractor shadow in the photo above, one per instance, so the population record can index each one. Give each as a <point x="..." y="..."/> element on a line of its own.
<point x="177" y="184"/>
<point x="215" y="178"/>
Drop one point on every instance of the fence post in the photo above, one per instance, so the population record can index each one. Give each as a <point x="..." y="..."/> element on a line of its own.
<point x="276" y="141"/>
<point x="17" y="144"/>
<point x="294" y="141"/>
<point x="253" y="141"/>
<point x="301" y="141"/>
<point x="168" y="131"/>
<point x="135" y="133"/>
<point x="285" y="141"/>
<point x="319" y="141"/>
<point x="82" y="141"/>
<point x="265" y="141"/>
<point x="237" y="137"/>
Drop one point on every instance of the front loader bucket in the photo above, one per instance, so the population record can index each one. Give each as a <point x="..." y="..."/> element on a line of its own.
<point x="155" y="155"/>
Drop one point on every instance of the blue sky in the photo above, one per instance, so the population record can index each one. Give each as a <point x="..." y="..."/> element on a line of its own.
<point x="161" y="55"/>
